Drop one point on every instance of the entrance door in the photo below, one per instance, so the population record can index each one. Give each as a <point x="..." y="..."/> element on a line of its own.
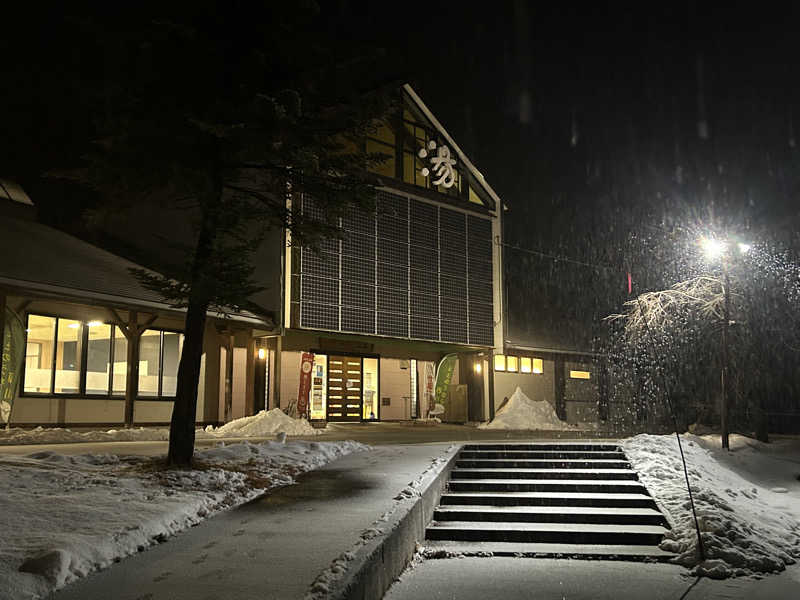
<point x="344" y="388"/>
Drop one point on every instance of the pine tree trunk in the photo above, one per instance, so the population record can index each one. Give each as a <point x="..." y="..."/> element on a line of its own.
<point x="182" y="424"/>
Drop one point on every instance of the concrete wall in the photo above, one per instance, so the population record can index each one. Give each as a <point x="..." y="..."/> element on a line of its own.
<point x="290" y="377"/>
<point x="536" y="386"/>
<point x="395" y="384"/>
<point x="580" y="395"/>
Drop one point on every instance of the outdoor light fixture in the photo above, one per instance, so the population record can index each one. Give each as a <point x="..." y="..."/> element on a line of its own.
<point x="713" y="248"/>
<point x="477" y="367"/>
<point x="262" y="354"/>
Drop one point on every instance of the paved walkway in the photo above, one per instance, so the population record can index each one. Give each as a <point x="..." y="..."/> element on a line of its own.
<point x="380" y="433"/>
<point x="550" y="579"/>
<point x="273" y="547"/>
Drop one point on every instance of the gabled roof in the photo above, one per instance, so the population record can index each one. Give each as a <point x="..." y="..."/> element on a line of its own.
<point x="462" y="157"/>
<point x="37" y="258"/>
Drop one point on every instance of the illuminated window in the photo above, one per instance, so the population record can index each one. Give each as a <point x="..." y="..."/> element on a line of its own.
<point x="579" y="374"/>
<point x="524" y="365"/>
<point x="499" y="362"/>
<point x="538" y="367"/>
<point x="512" y="364"/>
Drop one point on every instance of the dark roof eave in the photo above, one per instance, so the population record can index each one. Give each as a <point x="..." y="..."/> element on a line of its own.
<point x="114" y="301"/>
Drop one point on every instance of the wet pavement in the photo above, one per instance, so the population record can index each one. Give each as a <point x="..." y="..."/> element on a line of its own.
<point x="565" y="579"/>
<point x="271" y="548"/>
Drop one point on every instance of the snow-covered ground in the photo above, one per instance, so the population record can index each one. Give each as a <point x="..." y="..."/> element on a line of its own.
<point x="748" y="500"/>
<point x="62" y="517"/>
<point x="264" y="424"/>
<point x="522" y="413"/>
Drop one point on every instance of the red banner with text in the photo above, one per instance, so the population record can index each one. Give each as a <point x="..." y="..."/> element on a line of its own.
<point x="306" y="364"/>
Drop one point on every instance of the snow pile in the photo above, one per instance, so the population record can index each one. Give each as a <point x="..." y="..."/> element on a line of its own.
<point x="748" y="500"/>
<point x="62" y="517"/>
<point x="264" y="423"/>
<point x="520" y="412"/>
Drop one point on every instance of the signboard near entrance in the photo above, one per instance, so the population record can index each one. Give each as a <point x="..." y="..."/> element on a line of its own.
<point x="306" y="364"/>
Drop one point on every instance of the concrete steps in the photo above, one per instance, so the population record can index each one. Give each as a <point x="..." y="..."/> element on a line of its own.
<point x="551" y="499"/>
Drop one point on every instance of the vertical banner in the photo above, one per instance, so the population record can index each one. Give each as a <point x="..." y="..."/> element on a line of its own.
<point x="306" y="364"/>
<point x="444" y="375"/>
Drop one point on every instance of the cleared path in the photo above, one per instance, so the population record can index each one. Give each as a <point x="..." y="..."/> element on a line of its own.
<point x="550" y="579"/>
<point x="272" y="548"/>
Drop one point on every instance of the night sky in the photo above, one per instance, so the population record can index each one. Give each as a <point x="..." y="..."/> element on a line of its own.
<point x="613" y="133"/>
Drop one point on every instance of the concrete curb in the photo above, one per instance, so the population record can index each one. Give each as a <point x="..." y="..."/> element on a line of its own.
<point x="379" y="562"/>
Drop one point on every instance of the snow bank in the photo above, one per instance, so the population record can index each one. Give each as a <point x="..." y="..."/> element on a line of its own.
<point x="748" y="500"/>
<point x="62" y="517"/>
<point x="262" y="424"/>
<point x="520" y="412"/>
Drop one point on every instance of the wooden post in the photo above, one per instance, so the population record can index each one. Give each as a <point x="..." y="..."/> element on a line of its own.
<point x="725" y="403"/>
<point x="276" y="375"/>
<point x="559" y="387"/>
<point x="228" y="377"/>
<point x="133" y="334"/>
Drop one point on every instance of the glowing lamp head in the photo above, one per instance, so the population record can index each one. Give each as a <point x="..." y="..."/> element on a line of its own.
<point x="713" y="248"/>
<point x="262" y="354"/>
<point x="478" y="367"/>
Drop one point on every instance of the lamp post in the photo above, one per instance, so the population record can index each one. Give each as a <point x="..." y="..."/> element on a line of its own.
<point x="718" y="249"/>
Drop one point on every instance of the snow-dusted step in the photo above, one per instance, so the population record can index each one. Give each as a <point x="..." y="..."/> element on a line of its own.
<point x="549" y="499"/>
<point x="444" y="548"/>
<point x="541" y="463"/>
<point x="549" y="514"/>
<point x="570" y="446"/>
<point x="563" y="533"/>
<point x="548" y="454"/>
<point x="526" y="473"/>
<point x="546" y="485"/>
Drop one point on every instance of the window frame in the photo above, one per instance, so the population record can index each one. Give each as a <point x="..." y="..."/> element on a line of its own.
<point x="84" y="350"/>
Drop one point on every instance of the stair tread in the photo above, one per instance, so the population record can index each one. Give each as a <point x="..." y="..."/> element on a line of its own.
<point x="575" y="510"/>
<point x="558" y="527"/>
<point x="618" y="482"/>
<point x="529" y="470"/>
<point x="548" y="460"/>
<point x="565" y="495"/>
<point x="545" y="451"/>
<point x="540" y="548"/>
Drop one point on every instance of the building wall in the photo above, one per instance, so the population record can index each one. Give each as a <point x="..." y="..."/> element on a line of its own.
<point x="290" y="377"/>
<point x="395" y="384"/>
<point x="536" y="386"/>
<point x="581" y="395"/>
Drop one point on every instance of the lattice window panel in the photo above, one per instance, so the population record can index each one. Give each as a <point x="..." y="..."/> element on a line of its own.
<point x="480" y="313"/>
<point x="358" y="294"/>
<point x="454" y="331"/>
<point x="358" y="221"/>
<point x="453" y="264"/>
<point x="392" y="324"/>
<point x="424" y="236"/>
<point x="324" y="264"/>
<point x="423" y="282"/>
<point x="319" y="289"/>
<point x="359" y="245"/>
<point x="425" y="305"/>
<point x="424" y="213"/>
<point x="393" y="276"/>
<point x="322" y="316"/>
<point x="479" y="269"/>
<point x="392" y="205"/>
<point x="392" y="252"/>
<point x="480" y="291"/>
<point x="481" y="334"/>
<point x="479" y="228"/>
<point x="454" y="310"/>
<point x="358" y="320"/>
<point x="452" y="220"/>
<point x="452" y="287"/>
<point x="392" y="300"/>
<point x="358" y="269"/>
<point x="393" y="229"/>
<point x="424" y="328"/>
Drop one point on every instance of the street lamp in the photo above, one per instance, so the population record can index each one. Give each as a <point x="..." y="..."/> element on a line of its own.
<point x="716" y="249"/>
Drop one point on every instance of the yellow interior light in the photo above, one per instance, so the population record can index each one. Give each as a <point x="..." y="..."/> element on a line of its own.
<point x="580" y="374"/>
<point x="499" y="362"/>
<point x="538" y="366"/>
